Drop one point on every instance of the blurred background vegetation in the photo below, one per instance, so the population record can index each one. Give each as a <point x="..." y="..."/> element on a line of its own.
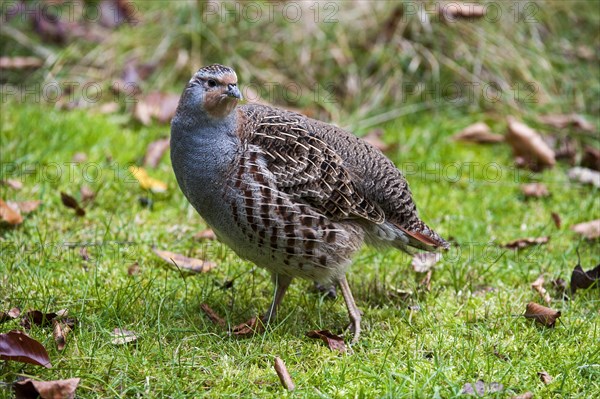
<point x="356" y="63"/>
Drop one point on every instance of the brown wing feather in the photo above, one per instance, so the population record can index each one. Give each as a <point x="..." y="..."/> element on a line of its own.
<point x="306" y="168"/>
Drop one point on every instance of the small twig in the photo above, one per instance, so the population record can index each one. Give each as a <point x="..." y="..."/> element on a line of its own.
<point x="284" y="376"/>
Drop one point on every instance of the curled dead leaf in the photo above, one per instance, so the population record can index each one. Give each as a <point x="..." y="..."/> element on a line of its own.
<point x="20" y="347"/>
<point x="334" y="342"/>
<point x="590" y="230"/>
<point x="58" y="389"/>
<point x="121" y="336"/>
<point x="35" y="317"/>
<point x="561" y="121"/>
<point x="556" y="219"/>
<point x="10" y="315"/>
<point x="529" y="145"/>
<point x="147" y="182"/>
<point x="212" y="315"/>
<point x="480" y="133"/>
<point x="72" y="203"/>
<point x="525" y="395"/>
<point x="26" y="206"/>
<point x="207" y="234"/>
<point x="283" y="374"/>
<point x="10" y="215"/>
<point x="452" y="11"/>
<point x="59" y="332"/>
<point x="538" y="285"/>
<point x="481" y="388"/>
<point x="545" y="377"/>
<point x="526" y="242"/>
<point x="161" y="106"/>
<point x="541" y="314"/>
<point x="581" y="279"/>
<point x="133" y="269"/>
<point x="192" y="265"/>
<point x="155" y="152"/>
<point x="535" y="190"/>
<point x="20" y="62"/>
<point x="12" y="183"/>
<point x="591" y="158"/>
<point x="584" y="175"/>
<point x="87" y="194"/>
<point x="248" y="328"/>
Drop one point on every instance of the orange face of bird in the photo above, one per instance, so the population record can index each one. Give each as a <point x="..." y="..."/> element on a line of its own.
<point x="221" y="93"/>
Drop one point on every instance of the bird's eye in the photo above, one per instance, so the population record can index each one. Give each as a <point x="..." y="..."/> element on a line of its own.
<point x="211" y="83"/>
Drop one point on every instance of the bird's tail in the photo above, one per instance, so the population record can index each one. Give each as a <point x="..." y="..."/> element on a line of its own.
<point x="421" y="236"/>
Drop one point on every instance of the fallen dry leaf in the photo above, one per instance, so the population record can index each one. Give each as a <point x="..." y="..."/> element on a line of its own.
<point x="457" y="10"/>
<point x="525" y="395"/>
<point x="20" y="347"/>
<point x="283" y="374"/>
<point x="480" y="133"/>
<point x="121" y="336"/>
<point x="545" y="377"/>
<point x="207" y="234"/>
<point x="590" y="230"/>
<point x="72" y="203"/>
<point x="481" y="388"/>
<point x="59" y="332"/>
<point x="26" y="206"/>
<point x="584" y="175"/>
<point x="133" y="269"/>
<point x="20" y="62"/>
<point x="10" y="315"/>
<point x="538" y="285"/>
<point x="529" y="145"/>
<point x="87" y="194"/>
<point x="213" y="316"/>
<point x="535" y="190"/>
<point x="114" y="13"/>
<point x="561" y="121"/>
<point x="147" y="182"/>
<point x="581" y="279"/>
<point x="374" y="138"/>
<point x="424" y="261"/>
<point x="541" y="314"/>
<point x="35" y="317"/>
<point x="12" y="183"/>
<point x="556" y="219"/>
<point x="591" y="158"/>
<point x="10" y="215"/>
<point x="83" y="252"/>
<point x="161" y="106"/>
<point x="58" y="389"/>
<point x="155" y="152"/>
<point x="526" y="242"/>
<point x="79" y="157"/>
<point x="334" y="342"/>
<point x="183" y="262"/>
<point x="248" y="328"/>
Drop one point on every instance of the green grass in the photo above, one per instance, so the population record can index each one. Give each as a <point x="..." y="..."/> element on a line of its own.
<point x="402" y="353"/>
<point x="469" y="193"/>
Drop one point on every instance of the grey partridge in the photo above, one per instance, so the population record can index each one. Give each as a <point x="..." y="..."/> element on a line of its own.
<point x="294" y="195"/>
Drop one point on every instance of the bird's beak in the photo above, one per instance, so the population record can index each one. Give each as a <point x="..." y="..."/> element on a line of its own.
<point x="233" y="91"/>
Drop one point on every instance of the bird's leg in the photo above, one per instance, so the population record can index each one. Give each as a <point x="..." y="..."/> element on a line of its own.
<point x="353" y="311"/>
<point x="282" y="283"/>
